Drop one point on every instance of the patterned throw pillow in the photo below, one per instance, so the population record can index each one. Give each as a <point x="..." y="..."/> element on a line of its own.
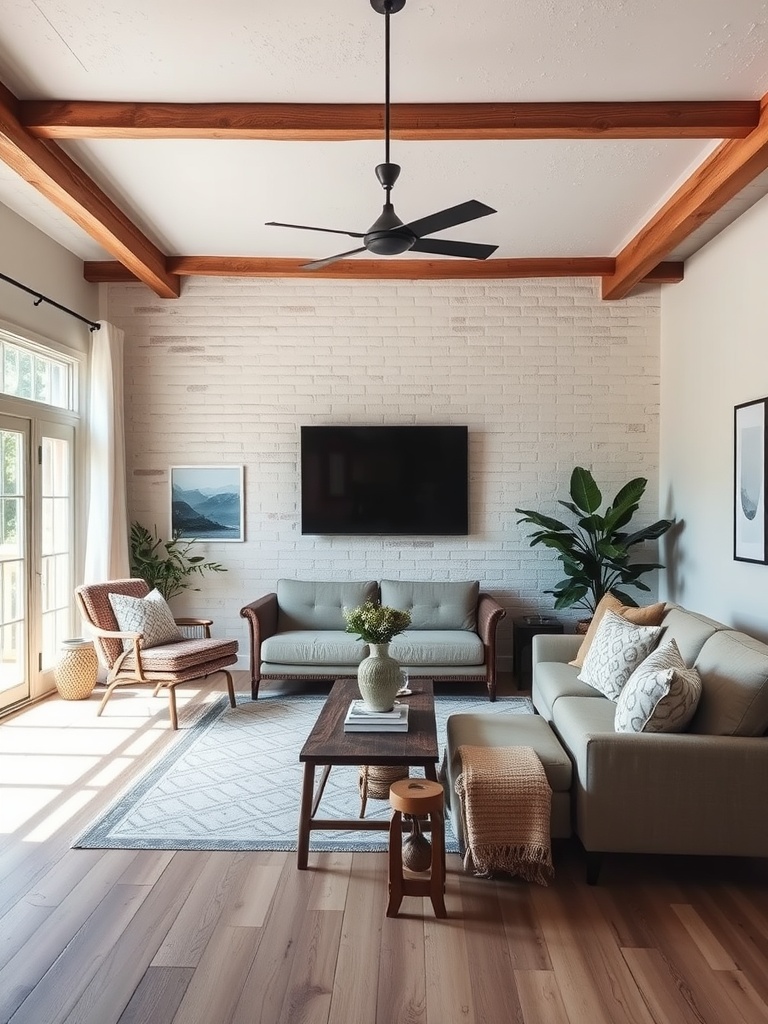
<point x="661" y="695"/>
<point x="616" y="651"/>
<point x="645" y="615"/>
<point x="148" y="615"/>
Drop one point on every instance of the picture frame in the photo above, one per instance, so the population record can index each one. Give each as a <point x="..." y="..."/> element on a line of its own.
<point x="750" y="466"/>
<point x="207" y="503"/>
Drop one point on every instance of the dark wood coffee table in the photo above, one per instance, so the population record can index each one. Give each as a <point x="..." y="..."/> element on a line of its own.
<point x="328" y="744"/>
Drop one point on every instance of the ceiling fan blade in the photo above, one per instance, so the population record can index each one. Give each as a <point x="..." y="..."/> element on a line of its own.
<point x="308" y="227"/>
<point x="444" y="247"/>
<point x="449" y="218"/>
<point x="319" y="264"/>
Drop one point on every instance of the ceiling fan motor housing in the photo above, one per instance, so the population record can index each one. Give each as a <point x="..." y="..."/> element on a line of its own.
<point x="387" y="6"/>
<point x="388" y="236"/>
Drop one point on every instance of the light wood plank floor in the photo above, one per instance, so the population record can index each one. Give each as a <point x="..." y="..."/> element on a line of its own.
<point x="126" y="937"/>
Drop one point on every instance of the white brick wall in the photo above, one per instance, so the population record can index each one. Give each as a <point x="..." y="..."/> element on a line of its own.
<point x="545" y="375"/>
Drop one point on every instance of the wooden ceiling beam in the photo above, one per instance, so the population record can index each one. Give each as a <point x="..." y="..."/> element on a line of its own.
<point x="323" y="122"/>
<point x="729" y="169"/>
<point x="68" y="187"/>
<point x="388" y="269"/>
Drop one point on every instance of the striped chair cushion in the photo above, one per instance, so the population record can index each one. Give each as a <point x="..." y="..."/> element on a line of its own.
<point x="185" y="655"/>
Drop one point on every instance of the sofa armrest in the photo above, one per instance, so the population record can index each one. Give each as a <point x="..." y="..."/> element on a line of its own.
<point x="555" y="647"/>
<point x="261" y="616"/>
<point x="489" y="615"/>
<point x="672" y="793"/>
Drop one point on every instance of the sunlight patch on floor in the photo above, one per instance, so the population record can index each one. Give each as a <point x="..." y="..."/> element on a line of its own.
<point x="60" y="816"/>
<point x="20" y="803"/>
<point x="46" y="769"/>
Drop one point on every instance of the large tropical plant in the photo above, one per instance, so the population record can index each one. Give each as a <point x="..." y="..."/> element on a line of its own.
<point x="167" y="564"/>
<point x="595" y="551"/>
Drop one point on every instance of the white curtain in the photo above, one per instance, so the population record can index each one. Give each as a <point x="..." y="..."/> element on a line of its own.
<point x="106" y="546"/>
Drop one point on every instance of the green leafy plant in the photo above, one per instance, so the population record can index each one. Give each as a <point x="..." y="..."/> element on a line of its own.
<point x="595" y="552"/>
<point x="167" y="564"/>
<point x="376" y="623"/>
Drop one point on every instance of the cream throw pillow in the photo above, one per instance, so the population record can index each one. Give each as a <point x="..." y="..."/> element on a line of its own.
<point x="148" y="615"/>
<point x="661" y="695"/>
<point x="617" y="650"/>
<point x="648" y="615"/>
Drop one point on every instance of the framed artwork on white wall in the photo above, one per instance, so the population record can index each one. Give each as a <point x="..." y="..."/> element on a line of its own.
<point x="207" y="502"/>
<point x="750" y="517"/>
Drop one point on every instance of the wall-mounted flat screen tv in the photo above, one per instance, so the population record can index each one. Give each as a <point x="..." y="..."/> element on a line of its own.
<point x="384" y="480"/>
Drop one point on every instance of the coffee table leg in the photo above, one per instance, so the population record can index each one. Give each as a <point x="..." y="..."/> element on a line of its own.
<point x="395" y="864"/>
<point x="302" y="846"/>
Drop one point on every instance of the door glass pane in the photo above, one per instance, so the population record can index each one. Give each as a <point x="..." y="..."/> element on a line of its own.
<point x="12" y="596"/>
<point x="56" y="547"/>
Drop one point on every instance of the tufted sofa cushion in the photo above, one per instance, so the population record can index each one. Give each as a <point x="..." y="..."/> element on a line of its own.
<point x="434" y="605"/>
<point x="316" y="604"/>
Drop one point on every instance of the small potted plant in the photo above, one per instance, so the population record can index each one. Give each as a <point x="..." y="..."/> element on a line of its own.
<point x="378" y="675"/>
<point x="167" y="565"/>
<point x="595" y="551"/>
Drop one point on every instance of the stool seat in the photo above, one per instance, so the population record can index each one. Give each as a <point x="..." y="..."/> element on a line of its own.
<point x="416" y="796"/>
<point x="419" y="798"/>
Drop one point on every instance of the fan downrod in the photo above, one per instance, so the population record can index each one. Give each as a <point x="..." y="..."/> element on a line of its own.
<point x="387" y="6"/>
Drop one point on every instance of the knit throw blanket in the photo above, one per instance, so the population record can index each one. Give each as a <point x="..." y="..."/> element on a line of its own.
<point x="505" y="808"/>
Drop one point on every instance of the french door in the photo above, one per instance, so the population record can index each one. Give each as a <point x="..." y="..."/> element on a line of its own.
<point x="36" y="553"/>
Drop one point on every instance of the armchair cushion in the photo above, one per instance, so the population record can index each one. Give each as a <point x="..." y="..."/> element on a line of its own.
<point x="184" y="656"/>
<point x="148" y="615"/>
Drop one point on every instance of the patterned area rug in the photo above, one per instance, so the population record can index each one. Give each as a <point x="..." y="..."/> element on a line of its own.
<point x="232" y="781"/>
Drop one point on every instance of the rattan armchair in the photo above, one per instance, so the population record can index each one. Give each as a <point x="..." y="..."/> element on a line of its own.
<point x="165" y="666"/>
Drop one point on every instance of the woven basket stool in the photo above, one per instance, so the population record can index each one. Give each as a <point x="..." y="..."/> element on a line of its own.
<point x="77" y="669"/>
<point x="374" y="781"/>
<point x="417" y="797"/>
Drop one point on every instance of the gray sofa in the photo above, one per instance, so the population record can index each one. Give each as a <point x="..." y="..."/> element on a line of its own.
<point x="702" y="791"/>
<point x="298" y="632"/>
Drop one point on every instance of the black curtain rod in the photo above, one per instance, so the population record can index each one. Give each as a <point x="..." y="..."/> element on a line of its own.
<point x="39" y="297"/>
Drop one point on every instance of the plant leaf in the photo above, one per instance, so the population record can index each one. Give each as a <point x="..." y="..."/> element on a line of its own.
<point x="652" y="532"/>
<point x="538" y="519"/>
<point x="630" y="493"/>
<point x="584" y="491"/>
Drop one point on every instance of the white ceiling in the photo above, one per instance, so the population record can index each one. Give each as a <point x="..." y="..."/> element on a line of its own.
<point x="555" y="198"/>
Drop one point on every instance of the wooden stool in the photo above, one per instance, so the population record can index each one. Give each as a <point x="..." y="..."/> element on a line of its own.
<point x="417" y="797"/>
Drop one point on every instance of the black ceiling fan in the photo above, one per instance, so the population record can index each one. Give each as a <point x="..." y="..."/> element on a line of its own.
<point x="388" y="236"/>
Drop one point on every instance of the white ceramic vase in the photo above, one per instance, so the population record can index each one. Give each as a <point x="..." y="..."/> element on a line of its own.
<point x="378" y="678"/>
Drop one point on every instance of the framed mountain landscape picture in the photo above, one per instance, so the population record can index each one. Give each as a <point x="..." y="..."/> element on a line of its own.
<point x="207" y="502"/>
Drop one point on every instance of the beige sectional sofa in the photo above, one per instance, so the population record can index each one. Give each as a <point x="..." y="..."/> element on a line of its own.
<point x="701" y="791"/>
<point x="298" y="632"/>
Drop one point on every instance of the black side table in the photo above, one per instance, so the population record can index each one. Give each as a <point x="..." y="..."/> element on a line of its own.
<point x="523" y="631"/>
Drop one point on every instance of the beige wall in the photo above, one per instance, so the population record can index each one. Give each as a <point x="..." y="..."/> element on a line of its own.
<point x="32" y="258"/>
<point x="545" y="375"/>
<point x="714" y="356"/>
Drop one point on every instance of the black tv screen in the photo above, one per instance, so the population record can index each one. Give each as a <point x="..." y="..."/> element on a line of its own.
<point x="384" y="480"/>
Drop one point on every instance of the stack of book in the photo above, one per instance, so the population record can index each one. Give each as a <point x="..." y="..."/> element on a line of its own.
<point x="361" y="720"/>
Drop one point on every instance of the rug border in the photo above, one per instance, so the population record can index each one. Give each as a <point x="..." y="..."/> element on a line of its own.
<point x="96" y="835"/>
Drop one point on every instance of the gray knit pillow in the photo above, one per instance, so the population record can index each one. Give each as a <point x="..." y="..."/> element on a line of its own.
<point x="616" y="651"/>
<point x="660" y="696"/>
<point x="148" y="615"/>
